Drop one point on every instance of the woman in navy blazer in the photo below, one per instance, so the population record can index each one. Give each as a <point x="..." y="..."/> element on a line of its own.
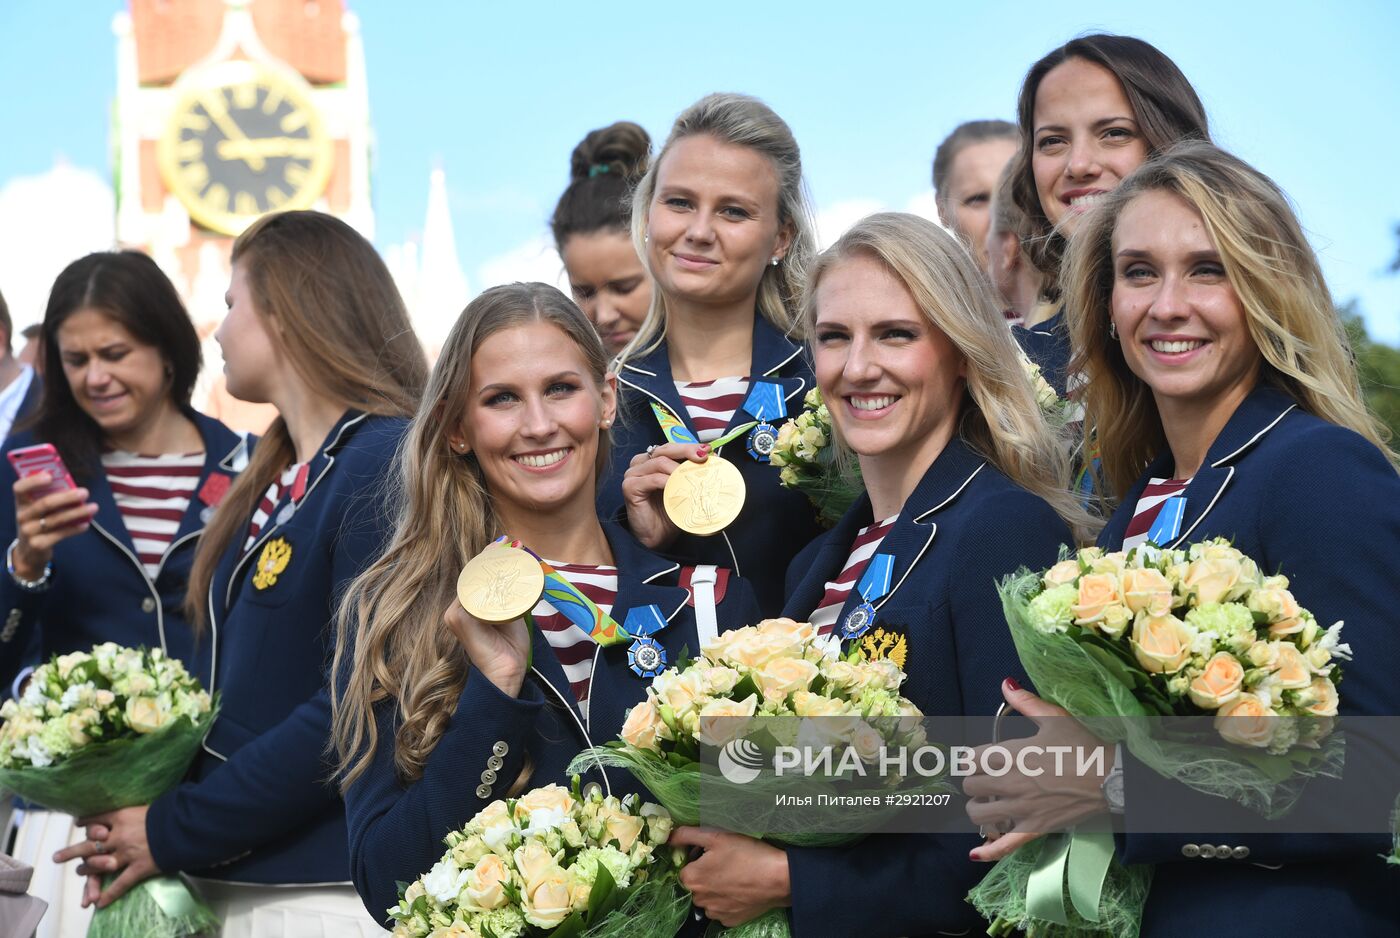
<point x="1090" y="112"/>
<point x="1215" y="355"/>
<point x="84" y="566"/>
<point x="123" y="357"/>
<point x="722" y="222"/>
<point x="924" y="385"/>
<point x="315" y="327"/>
<point x="436" y="713"/>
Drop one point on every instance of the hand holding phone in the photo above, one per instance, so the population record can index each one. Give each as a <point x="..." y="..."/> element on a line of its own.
<point x="49" y="507"/>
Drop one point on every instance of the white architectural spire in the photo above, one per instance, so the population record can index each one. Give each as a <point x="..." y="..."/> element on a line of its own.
<point x="441" y="288"/>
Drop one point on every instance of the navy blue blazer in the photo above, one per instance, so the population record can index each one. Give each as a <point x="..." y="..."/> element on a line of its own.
<point x="964" y="528"/>
<point x="100" y="591"/>
<point x="1047" y="344"/>
<point x="259" y="805"/>
<point x="1321" y="504"/>
<point x="396" y="830"/>
<point x="776" y="522"/>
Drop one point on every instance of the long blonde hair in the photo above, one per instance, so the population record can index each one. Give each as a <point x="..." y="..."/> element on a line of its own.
<point x="390" y="639"/>
<point x="1271" y="267"/>
<point x="345" y="331"/>
<point x="1000" y="418"/>
<point x="746" y="122"/>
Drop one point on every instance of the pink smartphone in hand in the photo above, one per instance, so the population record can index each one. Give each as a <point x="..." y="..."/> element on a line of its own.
<point x="31" y="460"/>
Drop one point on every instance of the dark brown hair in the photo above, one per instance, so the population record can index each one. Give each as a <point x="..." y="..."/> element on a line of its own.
<point x="1165" y="106"/>
<point x="602" y="170"/>
<point x="132" y="290"/>
<point x="344" y="329"/>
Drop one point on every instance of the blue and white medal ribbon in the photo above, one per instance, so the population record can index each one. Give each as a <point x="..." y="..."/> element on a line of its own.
<point x="645" y="656"/>
<point x="874" y="583"/>
<point x="765" y="402"/>
<point x="1167" y="524"/>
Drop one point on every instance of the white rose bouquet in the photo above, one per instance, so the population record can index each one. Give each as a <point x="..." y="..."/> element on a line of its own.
<point x="775" y="669"/>
<point x="106" y="729"/>
<point x="807" y="461"/>
<point x="1120" y="638"/>
<point x="552" y="862"/>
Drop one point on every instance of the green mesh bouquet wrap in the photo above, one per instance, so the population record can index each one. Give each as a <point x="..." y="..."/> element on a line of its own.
<point x="768" y="674"/>
<point x="107" y="729"/>
<point x="1118" y="637"/>
<point x="552" y="862"/>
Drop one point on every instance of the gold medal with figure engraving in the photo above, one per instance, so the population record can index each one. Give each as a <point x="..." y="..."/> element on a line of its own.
<point x="500" y="584"/>
<point x="704" y="497"/>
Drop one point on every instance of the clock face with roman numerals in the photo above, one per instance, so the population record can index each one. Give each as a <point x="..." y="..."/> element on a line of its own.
<point x="242" y="141"/>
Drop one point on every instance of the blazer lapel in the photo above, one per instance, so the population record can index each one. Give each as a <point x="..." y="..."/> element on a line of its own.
<point x="830" y="558"/>
<point x="908" y="542"/>
<point x="108" y="520"/>
<point x="651" y="378"/>
<point x="772" y="352"/>
<point x="1259" y="413"/>
<point x="203" y="501"/>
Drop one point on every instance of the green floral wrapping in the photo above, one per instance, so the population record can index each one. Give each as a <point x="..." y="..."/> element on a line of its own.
<point x="114" y="774"/>
<point x="118" y="774"/>
<point x="656" y="907"/>
<point x="1078" y="674"/>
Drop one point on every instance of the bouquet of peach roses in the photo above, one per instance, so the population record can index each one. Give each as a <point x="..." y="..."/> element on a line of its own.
<point x="1115" y="638"/>
<point x="552" y="862"/>
<point x="740" y="689"/>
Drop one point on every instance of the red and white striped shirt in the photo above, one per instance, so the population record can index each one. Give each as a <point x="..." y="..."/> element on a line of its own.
<point x="1149" y="506"/>
<point x="270" y="498"/>
<point x="572" y="645"/>
<point x="711" y="404"/>
<point x="867" y="542"/>
<point x="152" y="493"/>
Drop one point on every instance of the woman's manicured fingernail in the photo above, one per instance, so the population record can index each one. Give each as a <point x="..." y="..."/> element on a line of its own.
<point x="1012" y="683"/>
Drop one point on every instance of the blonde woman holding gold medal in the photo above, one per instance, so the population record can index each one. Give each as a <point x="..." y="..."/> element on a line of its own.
<point x="965" y="483"/>
<point x="316" y="327"/>
<point x="722" y="222"/>
<point x="459" y="683"/>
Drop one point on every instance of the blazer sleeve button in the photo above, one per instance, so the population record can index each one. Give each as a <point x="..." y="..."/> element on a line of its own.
<point x="494" y="763"/>
<point x="148" y="605"/>
<point x="1190" y="851"/>
<point x="1239" y="853"/>
<point x="488" y="777"/>
<point x="483" y="792"/>
<point x="500" y="749"/>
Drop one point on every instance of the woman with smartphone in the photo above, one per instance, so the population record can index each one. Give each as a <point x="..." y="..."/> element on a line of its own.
<point x="114" y="478"/>
<point x="317" y="328"/>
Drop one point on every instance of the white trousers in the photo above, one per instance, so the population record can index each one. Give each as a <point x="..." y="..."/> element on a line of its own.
<point x="253" y="911"/>
<point x="41" y="835"/>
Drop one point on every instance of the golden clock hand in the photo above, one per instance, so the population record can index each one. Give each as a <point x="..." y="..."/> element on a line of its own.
<point x="266" y="147"/>
<point x="214" y="104"/>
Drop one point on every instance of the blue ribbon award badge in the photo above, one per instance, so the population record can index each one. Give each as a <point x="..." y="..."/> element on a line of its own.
<point x="767" y="404"/>
<point x="645" y="656"/>
<point x="874" y="583"/>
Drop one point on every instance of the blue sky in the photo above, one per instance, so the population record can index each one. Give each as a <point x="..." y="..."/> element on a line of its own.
<point x="499" y="93"/>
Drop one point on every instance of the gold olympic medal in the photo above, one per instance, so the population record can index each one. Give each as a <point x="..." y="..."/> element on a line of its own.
<point x="500" y="584"/>
<point x="704" y="497"/>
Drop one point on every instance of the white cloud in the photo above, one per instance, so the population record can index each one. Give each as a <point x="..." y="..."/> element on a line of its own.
<point x="536" y="259"/>
<point x="834" y="219"/>
<point x="52" y="219"/>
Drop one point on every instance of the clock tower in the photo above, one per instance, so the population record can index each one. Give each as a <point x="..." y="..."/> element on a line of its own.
<point x="226" y="110"/>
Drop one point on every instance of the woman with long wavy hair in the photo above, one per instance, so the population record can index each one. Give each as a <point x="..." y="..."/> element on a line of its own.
<point x="438" y="713"/>
<point x="316" y="327"/>
<point x="965" y="483"/>
<point x="1220" y="376"/>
